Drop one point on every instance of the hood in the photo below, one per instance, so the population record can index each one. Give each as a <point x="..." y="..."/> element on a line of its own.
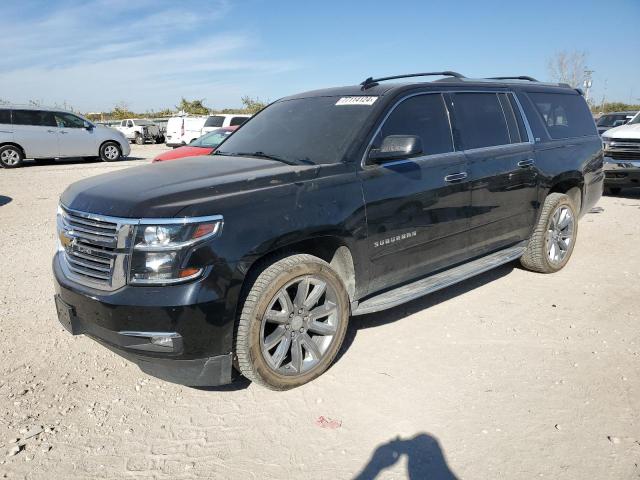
<point x="624" y="131"/>
<point x="166" y="188"/>
<point x="183" y="152"/>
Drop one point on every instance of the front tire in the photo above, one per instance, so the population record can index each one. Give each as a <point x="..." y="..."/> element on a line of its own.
<point x="139" y="139"/>
<point x="292" y="323"/>
<point x="110" y="152"/>
<point x="552" y="242"/>
<point x="11" y="156"/>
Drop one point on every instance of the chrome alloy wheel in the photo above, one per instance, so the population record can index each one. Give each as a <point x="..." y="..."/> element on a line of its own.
<point x="299" y="325"/>
<point x="10" y="157"/>
<point x="111" y="152"/>
<point x="560" y="235"/>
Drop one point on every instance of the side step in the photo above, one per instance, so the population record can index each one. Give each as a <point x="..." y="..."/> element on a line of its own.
<point x="438" y="281"/>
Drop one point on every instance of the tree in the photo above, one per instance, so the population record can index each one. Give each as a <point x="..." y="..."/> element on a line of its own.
<point x="121" y="111"/>
<point x="194" y="107"/>
<point x="568" y="67"/>
<point x="4" y="102"/>
<point x="253" y="105"/>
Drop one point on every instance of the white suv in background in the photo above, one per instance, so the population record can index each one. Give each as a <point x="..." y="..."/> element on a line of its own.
<point x="41" y="133"/>
<point x="182" y="130"/>
<point x="224" y="120"/>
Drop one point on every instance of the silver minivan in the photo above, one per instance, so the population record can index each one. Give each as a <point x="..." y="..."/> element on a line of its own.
<point x="39" y="133"/>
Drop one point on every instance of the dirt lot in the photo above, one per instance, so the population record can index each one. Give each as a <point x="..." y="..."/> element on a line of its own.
<point x="509" y="375"/>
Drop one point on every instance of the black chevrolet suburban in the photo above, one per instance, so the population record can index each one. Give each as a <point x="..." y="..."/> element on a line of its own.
<point x="326" y="205"/>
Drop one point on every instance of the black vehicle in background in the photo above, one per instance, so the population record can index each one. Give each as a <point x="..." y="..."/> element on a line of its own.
<point x="612" y="120"/>
<point x="325" y="205"/>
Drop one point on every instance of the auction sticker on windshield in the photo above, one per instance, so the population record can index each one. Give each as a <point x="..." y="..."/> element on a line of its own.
<point x="356" y="101"/>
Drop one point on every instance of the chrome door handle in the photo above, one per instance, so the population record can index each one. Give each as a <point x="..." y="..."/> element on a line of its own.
<point x="63" y="132"/>
<point x="455" y="177"/>
<point x="526" y="163"/>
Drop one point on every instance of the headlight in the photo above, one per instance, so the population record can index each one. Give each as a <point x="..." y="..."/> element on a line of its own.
<point x="606" y="142"/>
<point x="160" y="251"/>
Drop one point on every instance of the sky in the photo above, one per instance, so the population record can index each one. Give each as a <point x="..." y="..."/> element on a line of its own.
<point x="94" y="54"/>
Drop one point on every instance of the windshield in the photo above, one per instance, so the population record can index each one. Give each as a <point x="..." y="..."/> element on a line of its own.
<point x="610" y="120"/>
<point x="211" y="139"/>
<point x="143" y="122"/>
<point x="635" y="119"/>
<point x="315" y="130"/>
<point x="215" y="121"/>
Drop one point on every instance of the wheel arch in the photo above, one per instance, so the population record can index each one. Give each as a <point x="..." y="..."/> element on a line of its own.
<point x="14" y="144"/>
<point x="570" y="184"/>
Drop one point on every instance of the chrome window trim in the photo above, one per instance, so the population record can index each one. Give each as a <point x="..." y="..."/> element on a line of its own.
<point x="525" y="120"/>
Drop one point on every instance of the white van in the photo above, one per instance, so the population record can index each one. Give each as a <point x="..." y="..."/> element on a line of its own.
<point x="40" y="133"/>
<point x="224" y="120"/>
<point x="184" y="129"/>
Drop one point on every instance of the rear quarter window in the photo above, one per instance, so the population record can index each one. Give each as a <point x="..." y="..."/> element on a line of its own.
<point x="480" y="120"/>
<point x="5" y="116"/>
<point x="237" y="121"/>
<point x="564" y="115"/>
<point x="215" y="121"/>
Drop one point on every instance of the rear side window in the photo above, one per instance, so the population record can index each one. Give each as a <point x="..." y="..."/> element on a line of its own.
<point x="238" y="121"/>
<point x="36" y="118"/>
<point x="424" y="116"/>
<point x="564" y="115"/>
<point x="215" y="121"/>
<point x="5" y="116"/>
<point x="480" y="120"/>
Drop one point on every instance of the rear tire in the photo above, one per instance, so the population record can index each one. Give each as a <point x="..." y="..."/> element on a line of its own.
<point x="11" y="156"/>
<point x="110" y="152"/>
<point x="292" y="323"/>
<point x="552" y="242"/>
<point x="139" y="139"/>
<point x="159" y="139"/>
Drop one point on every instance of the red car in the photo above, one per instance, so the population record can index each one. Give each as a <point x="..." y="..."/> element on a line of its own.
<point x="204" y="145"/>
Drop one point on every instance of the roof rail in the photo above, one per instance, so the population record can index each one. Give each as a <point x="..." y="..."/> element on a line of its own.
<point x="372" y="82"/>
<point x="521" y="77"/>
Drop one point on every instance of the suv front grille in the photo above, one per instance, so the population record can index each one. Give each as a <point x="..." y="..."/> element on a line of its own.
<point x="623" y="155"/>
<point x="94" y="249"/>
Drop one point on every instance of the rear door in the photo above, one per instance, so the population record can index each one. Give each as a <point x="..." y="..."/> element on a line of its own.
<point x="74" y="139"/>
<point x="36" y="132"/>
<point x="416" y="208"/>
<point x="501" y="166"/>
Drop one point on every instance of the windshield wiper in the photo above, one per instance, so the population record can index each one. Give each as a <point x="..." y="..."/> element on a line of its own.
<point x="258" y="155"/>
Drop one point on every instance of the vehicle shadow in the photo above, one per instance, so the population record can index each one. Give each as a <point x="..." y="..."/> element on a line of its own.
<point x="238" y="382"/>
<point x="4" y="200"/>
<point x="626" y="193"/>
<point x="425" y="460"/>
<point x="398" y="313"/>
<point x="71" y="161"/>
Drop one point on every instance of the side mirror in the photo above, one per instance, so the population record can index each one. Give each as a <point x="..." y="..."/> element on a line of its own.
<point x="88" y="126"/>
<point x="396" y="147"/>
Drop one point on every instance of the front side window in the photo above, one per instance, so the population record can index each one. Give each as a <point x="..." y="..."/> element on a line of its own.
<point x="312" y="130"/>
<point x="564" y="115"/>
<point x="130" y="124"/>
<point x="480" y="120"/>
<point x="66" y="120"/>
<point x="36" y="118"/>
<point x="424" y="116"/>
<point x="5" y="116"/>
<point x="214" y="121"/>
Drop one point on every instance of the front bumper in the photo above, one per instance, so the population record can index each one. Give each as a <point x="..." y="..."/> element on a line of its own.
<point x="621" y="173"/>
<point x="129" y="319"/>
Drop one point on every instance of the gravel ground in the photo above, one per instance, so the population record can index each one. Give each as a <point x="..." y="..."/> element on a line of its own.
<point x="509" y="375"/>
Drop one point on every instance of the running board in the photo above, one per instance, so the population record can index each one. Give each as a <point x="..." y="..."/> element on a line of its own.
<point x="406" y="293"/>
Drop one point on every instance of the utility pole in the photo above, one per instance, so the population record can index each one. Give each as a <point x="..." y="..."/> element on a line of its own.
<point x="587" y="83"/>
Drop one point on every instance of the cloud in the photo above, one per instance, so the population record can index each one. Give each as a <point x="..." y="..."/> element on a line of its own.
<point x="146" y="53"/>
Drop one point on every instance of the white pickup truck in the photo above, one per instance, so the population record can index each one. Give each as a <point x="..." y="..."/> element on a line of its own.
<point x="140" y="131"/>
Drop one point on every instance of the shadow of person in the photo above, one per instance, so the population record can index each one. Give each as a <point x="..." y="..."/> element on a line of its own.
<point x="425" y="460"/>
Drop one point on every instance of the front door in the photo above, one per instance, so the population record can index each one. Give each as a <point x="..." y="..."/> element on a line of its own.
<point x="501" y="167"/>
<point x="75" y="139"/>
<point x="416" y="208"/>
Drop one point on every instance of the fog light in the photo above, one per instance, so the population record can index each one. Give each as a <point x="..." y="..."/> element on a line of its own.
<point x="166" y="342"/>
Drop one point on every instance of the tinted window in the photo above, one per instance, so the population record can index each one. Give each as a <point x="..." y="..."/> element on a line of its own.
<point x="480" y="121"/>
<point x="215" y="121"/>
<point x="33" y="117"/>
<point x="302" y="130"/>
<point x="238" y="120"/>
<point x="565" y="115"/>
<point x="424" y="116"/>
<point x="5" y="116"/>
<point x="66" y="120"/>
